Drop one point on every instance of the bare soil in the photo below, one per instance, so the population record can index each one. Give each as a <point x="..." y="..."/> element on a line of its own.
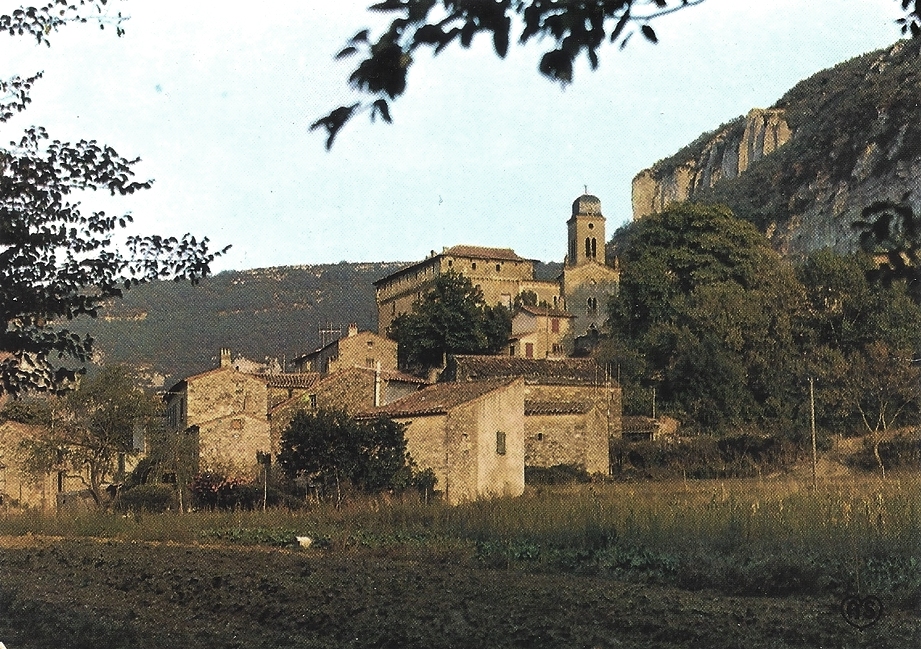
<point x="71" y="593"/>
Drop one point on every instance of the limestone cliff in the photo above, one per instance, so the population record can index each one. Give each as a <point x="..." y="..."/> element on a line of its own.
<point x="726" y="153"/>
<point x="804" y="170"/>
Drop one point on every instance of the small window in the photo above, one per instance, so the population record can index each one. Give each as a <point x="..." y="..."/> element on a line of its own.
<point x="313" y="401"/>
<point x="236" y="424"/>
<point x="555" y="325"/>
<point x="511" y="350"/>
<point x="450" y="263"/>
<point x="498" y="267"/>
<point x="370" y="343"/>
<point x="540" y="437"/>
<point x="529" y="350"/>
<point x="591" y="226"/>
<point x="500" y="443"/>
<point x="473" y="265"/>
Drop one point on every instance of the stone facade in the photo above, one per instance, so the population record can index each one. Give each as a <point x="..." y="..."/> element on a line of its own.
<point x="357" y="348"/>
<point x="353" y="389"/>
<point x="583" y="288"/>
<point x="571" y="408"/>
<point x="539" y="332"/>
<point x="470" y="435"/>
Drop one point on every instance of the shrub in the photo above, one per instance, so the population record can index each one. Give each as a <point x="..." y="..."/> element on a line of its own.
<point x="557" y="474"/>
<point x="149" y="498"/>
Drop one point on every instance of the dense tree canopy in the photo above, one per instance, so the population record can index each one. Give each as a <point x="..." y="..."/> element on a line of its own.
<point x="728" y="333"/>
<point x="332" y="450"/>
<point x="91" y="427"/>
<point x="575" y="28"/>
<point x="452" y="318"/>
<point x="58" y="262"/>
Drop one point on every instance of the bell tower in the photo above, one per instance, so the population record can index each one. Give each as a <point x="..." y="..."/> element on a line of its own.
<point x="586" y="232"/>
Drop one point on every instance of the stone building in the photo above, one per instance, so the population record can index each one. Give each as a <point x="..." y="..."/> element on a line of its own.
<point x="583" y="288"/>
<point x="353" y="389"/>
<point x="226" y="411"/>
<point x="357" y="348"/>
<point x="571" y="409"/>
<point x="471" y="435"/>
<point x="539" y="332"/>
<point x="498" y="272"/>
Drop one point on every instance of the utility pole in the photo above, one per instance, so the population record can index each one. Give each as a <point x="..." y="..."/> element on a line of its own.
<point x="812" y="422"/>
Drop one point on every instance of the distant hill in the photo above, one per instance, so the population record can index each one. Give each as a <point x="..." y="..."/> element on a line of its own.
<point x="804" y="169"/>
<point x="169" y="330"/>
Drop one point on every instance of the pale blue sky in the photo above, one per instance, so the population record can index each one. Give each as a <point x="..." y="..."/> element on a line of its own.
<point x="216" y="98"/>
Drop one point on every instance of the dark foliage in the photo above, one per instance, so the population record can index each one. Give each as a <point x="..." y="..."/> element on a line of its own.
<point x="57" y="262"/>
<point x="146" y="498"/>
<point x="557" y="474"/>
<point x="452" y="318"/>
<point x="332" y="452"/>
<point x="574" y="28"/>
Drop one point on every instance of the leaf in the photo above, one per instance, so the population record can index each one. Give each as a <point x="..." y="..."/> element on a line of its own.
<point x="346" y="52"/>
<point x="649" y="33"/>
<point x="380" y="106"/>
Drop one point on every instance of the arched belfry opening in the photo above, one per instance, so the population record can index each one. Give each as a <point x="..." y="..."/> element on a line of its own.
<point x="585" y="228"/>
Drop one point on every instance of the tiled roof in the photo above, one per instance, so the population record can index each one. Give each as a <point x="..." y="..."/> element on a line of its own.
<point x="482" y="252"/>
<point x="438" y="399"/>
<point x="556" y="407"/>
<point x="635" y="424"/>
<point x="562" y="371"/>
<point x="392" y="375"/>
<point x="547" y="311"/>
<point x="289" y="380"/>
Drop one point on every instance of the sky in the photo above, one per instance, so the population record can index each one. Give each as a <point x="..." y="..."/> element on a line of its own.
<point x="216" y="98"/>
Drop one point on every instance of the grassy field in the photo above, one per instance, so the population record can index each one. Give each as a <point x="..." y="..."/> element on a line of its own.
<point x="748" y="537"/>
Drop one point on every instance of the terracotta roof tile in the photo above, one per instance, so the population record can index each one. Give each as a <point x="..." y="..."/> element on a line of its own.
<point x="546" y="311"/>
<point x="547" y="371"/>
<point x="557" y="407"/>
<point x="482" y="252"/>
<point x="438" y="399"/>
<point x="289" y="379"/>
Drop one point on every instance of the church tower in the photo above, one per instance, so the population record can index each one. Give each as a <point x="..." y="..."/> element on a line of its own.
<point x="586" y="232"/>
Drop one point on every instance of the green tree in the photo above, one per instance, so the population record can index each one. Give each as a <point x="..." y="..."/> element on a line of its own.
<point x="711" y="308"/>
<point x="575" y="28"/>
<point x="56" y="261"/>
<point x="452" y="318"/>
<point x="91" y="428"/>
<point x="333" y="451"/>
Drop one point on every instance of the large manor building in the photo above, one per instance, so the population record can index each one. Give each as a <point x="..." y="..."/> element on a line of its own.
<point x="581" y="291"/>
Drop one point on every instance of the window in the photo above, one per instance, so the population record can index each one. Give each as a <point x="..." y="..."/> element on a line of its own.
<point x="313" y="401"/>
<point x="511" y="350"/>
<point x="498" y="267"/>
<point x="500" y="443"/>
<point x="588" y="247"/>
<point x="450" y="263"/>
<point x="594" y="248"/>
<point x="540" y="437"/>
<point x="591" y="306"/>
<point x="529" y="350"/>
<point x="555" y="325"/>
<point x="591" y="226"/>
<point x="369" y="362"/>
<point x="473" y="265"/>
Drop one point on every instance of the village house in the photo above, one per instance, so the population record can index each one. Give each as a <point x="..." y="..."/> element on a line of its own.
<point x="538" y="332"/>
<point x="226" y="412"/>
<point x="471" y="435"/>
<point x="353" y="389"/>
<point x="571" y="408"/>
<point x="356" y="348"/>
<point x="583" y="288"/>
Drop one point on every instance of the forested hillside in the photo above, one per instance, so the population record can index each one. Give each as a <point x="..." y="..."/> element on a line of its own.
<point x="169" y="330"/>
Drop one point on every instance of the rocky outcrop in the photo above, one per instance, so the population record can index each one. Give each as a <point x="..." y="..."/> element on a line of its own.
<point x="726" y="154"/>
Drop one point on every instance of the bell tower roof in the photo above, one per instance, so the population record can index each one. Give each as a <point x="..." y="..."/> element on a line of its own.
<point x="586" y="205"/>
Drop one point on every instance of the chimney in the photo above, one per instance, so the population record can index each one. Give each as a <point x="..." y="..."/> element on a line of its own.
<point x="225" y="357"/>
<point x="353" y="329"/>
<point x="377" y="384"/>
